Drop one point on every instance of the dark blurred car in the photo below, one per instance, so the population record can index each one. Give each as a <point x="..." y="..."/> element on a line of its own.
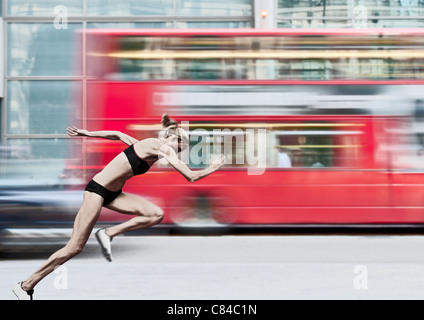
<point x="36" y="220"/>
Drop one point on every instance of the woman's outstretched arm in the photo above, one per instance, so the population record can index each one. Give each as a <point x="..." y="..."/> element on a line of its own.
<point x="192" y="176"/>
<point x="110" y="135"/>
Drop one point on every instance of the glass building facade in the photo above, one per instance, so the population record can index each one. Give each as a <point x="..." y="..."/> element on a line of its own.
<point x="40" y="75"/>
<point x="350" y="14"/>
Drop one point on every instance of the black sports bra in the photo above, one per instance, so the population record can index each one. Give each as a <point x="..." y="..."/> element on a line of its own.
<point x="138" y="165"/>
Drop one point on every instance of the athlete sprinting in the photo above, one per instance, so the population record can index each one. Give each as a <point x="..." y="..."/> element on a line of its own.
<point x="105" y="190"/>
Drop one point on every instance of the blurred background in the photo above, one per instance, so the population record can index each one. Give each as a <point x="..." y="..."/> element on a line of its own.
<point x="336" y="84"/>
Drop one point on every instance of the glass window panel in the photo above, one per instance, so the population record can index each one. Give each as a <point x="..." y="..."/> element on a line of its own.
<point x="38" y="49"/>
<point x="264" y="58"/>
<point x="130" y="7"/>
<point x="214" y="7"/>
<point x="44" y="7"/>
<point x="313" y="8"/>
<point x="393" y="23"/>
<point x="392" y="8"/>
<point x="317" y="145"/>
<point x="285" y="146"/>
<point x="314" y="24"/>
<point x="39" y="148"/>
<point x="129" y="25"/>
<point x="34" y="162"/>
<point x="39" y="107"/>
<point x="407" y="138"/>
<point x="215" y="24"/>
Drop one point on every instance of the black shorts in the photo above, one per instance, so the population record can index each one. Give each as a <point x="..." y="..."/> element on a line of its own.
<point x="106" y="194"/>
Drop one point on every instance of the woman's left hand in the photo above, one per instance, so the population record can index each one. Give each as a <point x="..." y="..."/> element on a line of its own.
<point x="218" y="163"/>
<point x="74" y="132"/>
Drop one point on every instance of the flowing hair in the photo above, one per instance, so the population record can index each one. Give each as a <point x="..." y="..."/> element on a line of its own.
<point x="167" y="122"/>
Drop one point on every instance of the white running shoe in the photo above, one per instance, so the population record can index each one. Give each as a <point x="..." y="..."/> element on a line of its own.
<point x="104" y="241"/>
<point x="22" y="294"/>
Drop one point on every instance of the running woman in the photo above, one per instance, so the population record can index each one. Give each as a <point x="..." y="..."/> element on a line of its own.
<point x="105" y="190"/>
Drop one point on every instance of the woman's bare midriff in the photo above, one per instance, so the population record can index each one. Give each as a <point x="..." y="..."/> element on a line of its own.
<point x="115" y="174"/>
<point x="118" y="171"/>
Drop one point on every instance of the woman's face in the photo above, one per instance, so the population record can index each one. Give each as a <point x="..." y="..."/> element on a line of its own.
<point x="182" y="144"/>
<point x="177" y="143"/>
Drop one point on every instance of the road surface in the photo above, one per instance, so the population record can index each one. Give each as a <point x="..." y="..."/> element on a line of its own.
<point x="236" y="268"/>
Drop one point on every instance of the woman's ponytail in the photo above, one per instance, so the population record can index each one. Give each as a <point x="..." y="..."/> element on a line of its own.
<point x="168" y="122"/>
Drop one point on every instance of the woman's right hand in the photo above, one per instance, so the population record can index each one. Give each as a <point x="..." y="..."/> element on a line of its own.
<point x="74" y="132"/>
<point x="218" y="163"/>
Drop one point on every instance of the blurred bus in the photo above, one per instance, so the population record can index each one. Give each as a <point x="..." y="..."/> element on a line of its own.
<point x="335" y="114"/>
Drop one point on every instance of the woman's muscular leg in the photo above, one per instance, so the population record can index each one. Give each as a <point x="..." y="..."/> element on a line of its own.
<point x="83" y="225"/>
<point x="148" y="214"/>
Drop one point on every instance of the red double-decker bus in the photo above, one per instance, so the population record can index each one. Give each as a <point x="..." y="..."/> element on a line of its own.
<point x="333" y="115"/>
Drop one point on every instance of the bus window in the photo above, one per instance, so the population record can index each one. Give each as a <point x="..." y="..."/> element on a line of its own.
<point x="212" y="57"/>
<point x="210" y="140"/>
<point x="276" y="145"/>
<point x="317" y="145"/>
<point x="406" y="137"/>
